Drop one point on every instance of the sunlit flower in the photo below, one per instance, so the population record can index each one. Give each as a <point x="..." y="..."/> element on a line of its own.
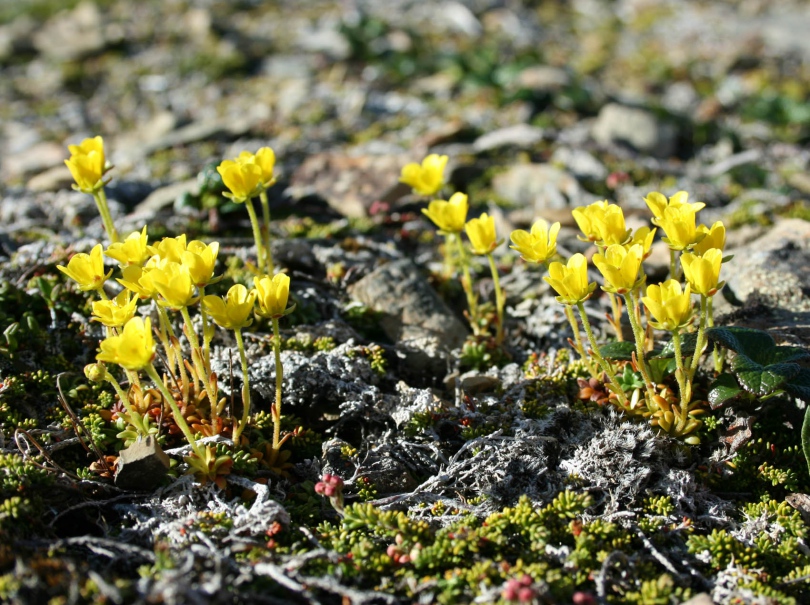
<point x="602" y="223"/>
<point x="86" y="164"/>
<point x="173" y="282"/>
<point x="134" y="250"/>
<point x="571" y="280"/>
<point x="642" y="236"/>
<point x="265" y="159"/>
<point x="539" y="245"/>
<point x="670" y="307"/>
<point x="87" y="270"/>
<point x="137" y="279"/>
<point x="481" y="232"/>
<point x="714" y="237"/>
<point x="243" y="178"/>
<point x="703" y="272"/>
<point x="589" y="217"/>
<point x="449" y="216"/>
<point x="116" y="312"/>
<point x="133" y="349"/>
<point x="620" y="267"/>
<point x="658" y="202"/>
<point x="200" y="259"/>
<point x="272" y="294"/>
<point x="678" y="222"/>
<point x="427" y="178"/>
<point x="169" y="248"/>
<point x="233" y="312"/>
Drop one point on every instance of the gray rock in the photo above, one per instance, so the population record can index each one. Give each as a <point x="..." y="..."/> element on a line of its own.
<point x="411" y="308"/>
<point x="699" y="599"/>
<point x="141" y="466"/>
<point x="72" y="34"/>
<point x="519" y="135"/>
<point x="639" y="128"/>
<point x="542" y="187"/>
<point x="543" y="78"/>
<point x="580" y="163"/>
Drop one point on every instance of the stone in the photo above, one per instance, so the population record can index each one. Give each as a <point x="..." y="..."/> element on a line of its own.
<point x="519" y="135"/>
<point x="411" y="308"/>
<point x="580" y="163"/>
<point x="542" y="187"/>
<point x="543" y="79"/>
<point x="36" y="158"/>
<point x="638" y="128"/>
<point x="71" y="35"/>
<point x="700" y="599"/>
<point x="475" y="384"/>
<point x="142" y="466"/>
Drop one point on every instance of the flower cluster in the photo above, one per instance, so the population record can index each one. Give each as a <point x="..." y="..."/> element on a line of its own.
<point x="331" y="486"/>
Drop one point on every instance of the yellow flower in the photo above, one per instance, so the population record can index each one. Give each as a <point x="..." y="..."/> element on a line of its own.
<point x="86" y="164"/>
<point x="132" y="251"/>
<point x="137" y="279"/>
<point x="643" y="236"/>
<point x="173" y="282"/>
<point x="116" y="312"/>
<point x="428" y="178"/>
<point x="620" y="268"/>
<point x="169" y="248"/>
<point x="588" y="217"/>
<point x="448" y="216"/>
<point x="703" y="272"/>
<point x="571" y="280"/>
<point x="265" y="159"/>
<point x="657" y="203"/>
<point x="242" y="177"/>
<point x="678" y="222"/>
<point x="200" y="259"/>
<point x="670" y="307"/>
<point x="712" y="238"/>
<point x="539" y="245"/>
<point x="481" y="232"/>
<point x="234" y="310"/>
<point x="133" y="349"/>
<point x="272" y="294"/>
<point x="87" y="270"/>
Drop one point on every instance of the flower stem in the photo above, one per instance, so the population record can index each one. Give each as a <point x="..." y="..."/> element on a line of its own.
<point x="674" y="270"/>
<point x="237" y="431"/>
<point x="178" y="415"/>
<point x="103" y="209"/>
<point x="638" y="334"/>
<point x="197" y="360"/>
<point x="499" y="298"/>
<point x="700" y="342"/>
<point x="617" y="315"/>
<point x="266" y="231"/>
<point x="466" y="283"/>
<point x="572" y="319"/>
<point x="718" y="358"/>
<point x="684" y="381"/>
<point x="257" y="234"/>
<point x="601" y="360"/>
<point x="276" y="410"/>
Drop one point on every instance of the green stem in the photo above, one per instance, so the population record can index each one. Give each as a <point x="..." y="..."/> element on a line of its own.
<point x="466" y="282"/>
<point x="674" y="271"/>
<point x="266" y="217"/>
<point x="700" y="341"/>
<point x="237" y="431"/>
<point x="276" y="411"/>
<point x="572" y="319"/>
<point x="684" y="382"/>
<point x="178" y="415"/>
<point x="120" y="392"/>
<point x="196" y="358"/>
<point x="638" y="334"/>
<point x="806" y="436"/>
<point x="601" y="360"/>
<point x="499" y="298"/>
<point x="207" y="331"/>
<point x="103" y="209"/>
<point x="165" y="334"/>
<point x="257" y="234"/>
<point x="617" y="315"/>
<point x="718" y="358"/>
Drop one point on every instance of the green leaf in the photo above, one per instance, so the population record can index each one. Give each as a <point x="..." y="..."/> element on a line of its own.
<point x="762" y="380"/>
<point x="660" y="367"/>
<point x="799" y="386"/>
<point x="688" y="342"/>
<point x="618" y="351"/>
<point x="743" y="340"/>
<point x="722" y="390"/>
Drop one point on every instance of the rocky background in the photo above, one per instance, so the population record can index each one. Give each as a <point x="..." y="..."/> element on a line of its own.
<point x="541" y="106"/>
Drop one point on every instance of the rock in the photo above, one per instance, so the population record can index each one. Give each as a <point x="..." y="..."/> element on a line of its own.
<point x="639" y="128"/>
<point x="163" y="197"/>
<point x="700" y="599"/>
<point x="349" y="183"/>
<point x="52" y="179"/>
<point x="580" y="163"/>
<point x="36" y="158"/>
<point x="542" y="187"/>
<point x="411" y="308"/>
<point x="519" y="135"/>
<point x="71" y="35"/>
<point x="142" y="466"/>
<point x="542" y="79"/>
<point x="479" y="383"/>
